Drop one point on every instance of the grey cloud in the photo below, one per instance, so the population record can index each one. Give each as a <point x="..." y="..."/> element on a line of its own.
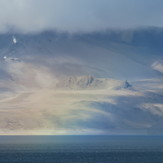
<point x="78" y="15"/>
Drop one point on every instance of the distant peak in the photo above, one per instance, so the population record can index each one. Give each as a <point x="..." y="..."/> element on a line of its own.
<point x="158" y="66"/>
<point x="127" y="84"/>
<point x="14" y="40"/>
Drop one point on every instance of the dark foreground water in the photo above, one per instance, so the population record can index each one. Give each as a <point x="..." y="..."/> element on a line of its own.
<point x="81" y="149"/>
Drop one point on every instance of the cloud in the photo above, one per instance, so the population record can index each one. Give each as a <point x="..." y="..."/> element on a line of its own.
<point x="42" y="107"/>
<point x="78" y="15"/>
<point x="27" y="75"/>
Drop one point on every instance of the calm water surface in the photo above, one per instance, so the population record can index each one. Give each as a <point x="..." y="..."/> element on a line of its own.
<point x="81" y="149"/>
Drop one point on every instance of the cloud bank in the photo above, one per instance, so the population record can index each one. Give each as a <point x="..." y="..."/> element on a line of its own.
<point x="78" y="15"/>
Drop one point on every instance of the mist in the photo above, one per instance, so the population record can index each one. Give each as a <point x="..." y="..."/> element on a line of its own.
<point x="73" y="16"/>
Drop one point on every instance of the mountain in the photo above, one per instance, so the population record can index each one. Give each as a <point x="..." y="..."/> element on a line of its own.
<point x="120" y="54"/>
<point x="88" y="82"/>
<point x="158" y="66"/>
<point x="106" y="82"/>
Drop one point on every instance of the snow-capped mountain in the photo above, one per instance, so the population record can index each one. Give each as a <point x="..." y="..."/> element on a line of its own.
<point x="158" y="66"/>
<point x="116" y="54"/>
<point x="104" y="82"/>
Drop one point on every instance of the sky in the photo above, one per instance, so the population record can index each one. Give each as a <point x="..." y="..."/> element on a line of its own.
<point x="78" y="15"/>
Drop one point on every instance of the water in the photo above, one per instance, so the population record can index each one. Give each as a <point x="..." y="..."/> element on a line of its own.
<point x="81" y="149"/>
